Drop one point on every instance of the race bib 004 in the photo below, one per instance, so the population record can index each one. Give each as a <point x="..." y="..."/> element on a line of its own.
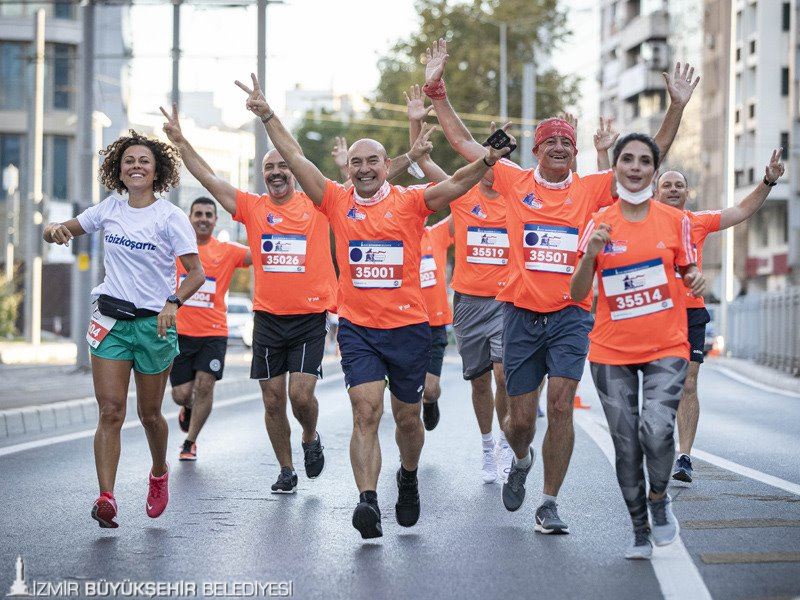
<point x="99" y="326"/>
<point x="204" y="297"/>
<point x="552" y="248"/>
<point x="487" y="246"/>
<point x="636" y="290"/>
<point x="376" y="264"/>
<point x="427" y="271"/>
<point x="283" y="253"/>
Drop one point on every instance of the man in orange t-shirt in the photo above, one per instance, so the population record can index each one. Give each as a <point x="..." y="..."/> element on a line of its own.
<point x="545" y="331"/>
<point x="203" y="325"/>
<point x="295" y="285"/>
<point x="383" y="322"/>
<point x="436" y="239"/>
<point x="672" y="189"/>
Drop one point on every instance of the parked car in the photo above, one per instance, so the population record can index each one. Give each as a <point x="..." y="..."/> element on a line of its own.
<point x="240" y="316"/>
<point x="711" y="328"/>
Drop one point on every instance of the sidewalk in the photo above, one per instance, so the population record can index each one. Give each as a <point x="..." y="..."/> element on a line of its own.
<point x="62" y="352"/>
<point x="745" y="369"/>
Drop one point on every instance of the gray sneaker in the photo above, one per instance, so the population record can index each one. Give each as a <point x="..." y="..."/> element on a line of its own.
<point x="514" y="488"/>
<point x="548" y="521"/>
<point x="665" y="526"/>
<point x="641" y="548"/>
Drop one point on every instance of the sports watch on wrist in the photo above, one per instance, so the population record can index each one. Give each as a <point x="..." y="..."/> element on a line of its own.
<point x="175" y="300"/>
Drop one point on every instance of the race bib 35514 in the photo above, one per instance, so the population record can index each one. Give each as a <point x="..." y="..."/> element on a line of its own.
<point x="636" y="290"/>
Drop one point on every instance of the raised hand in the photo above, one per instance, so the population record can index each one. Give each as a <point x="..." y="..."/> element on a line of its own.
<point x="599" y="239"/>
<point x="173" y="126"/>
<point x="605" y="136"/>
<point x="775" y="168"/>
<point x="339" y="152"/>
<point x="415" y="104"/>
<point x="435" y="60"/>
<point x="571" y="119"/>
<point x="421" y="145"/>
<point x="496" y="154"/>
<point x="681" y="84"/>
<point x="256" y="102"/>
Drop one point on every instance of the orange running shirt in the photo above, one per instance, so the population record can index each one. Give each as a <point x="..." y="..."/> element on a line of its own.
<point x="544" y="223"/>
<point x="436" y="239"/>
<point x="703" y="223"/>
<point x="481" y="241"/>
<point x="290" y="244"/>
<point x="378" y="252"/>
<point x="641" y="313"/>
<point x="205" y="313"/>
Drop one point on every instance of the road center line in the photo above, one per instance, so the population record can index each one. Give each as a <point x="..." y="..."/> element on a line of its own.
<point x="674" y="568"/>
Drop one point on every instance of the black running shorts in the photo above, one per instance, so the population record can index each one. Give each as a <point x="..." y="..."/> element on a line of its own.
<point x="205" y="354"/>
<point x="287" y="343"/>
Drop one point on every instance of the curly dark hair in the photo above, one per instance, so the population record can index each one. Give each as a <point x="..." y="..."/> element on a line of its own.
<point x="167" y="161"/>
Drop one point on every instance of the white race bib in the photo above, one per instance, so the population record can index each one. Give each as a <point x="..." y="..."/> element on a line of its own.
<point x="636" y="290"/>
<point x="487" y="246"/>
<point x="204" y="297"/>
<point x="427" y="271"/>
<point x="376" y="264"/>
<point x="99" y="326"/>
<point x="283" y="253"/>
<point x="551" y="248"/>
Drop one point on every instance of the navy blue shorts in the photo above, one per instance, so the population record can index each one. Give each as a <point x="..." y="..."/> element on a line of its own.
<point x="539" y="344"/>
<point x="438" y="346"/>
<point x="402" y="354"/>
<point x="697" y="319"/>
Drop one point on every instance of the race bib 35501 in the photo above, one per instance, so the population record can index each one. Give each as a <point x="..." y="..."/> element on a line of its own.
<point x="552" y="248"/>
<point x="376" y="264"/>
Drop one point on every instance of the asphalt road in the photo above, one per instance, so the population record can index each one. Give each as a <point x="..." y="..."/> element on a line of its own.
<point x="740" y="539"/>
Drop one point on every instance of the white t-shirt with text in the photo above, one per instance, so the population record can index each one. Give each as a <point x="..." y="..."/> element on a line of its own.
<point x="140" y="246"/>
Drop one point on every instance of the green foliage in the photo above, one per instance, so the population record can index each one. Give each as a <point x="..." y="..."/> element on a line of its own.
<point x="472" y="74"/>
<point x="9" y="305"/>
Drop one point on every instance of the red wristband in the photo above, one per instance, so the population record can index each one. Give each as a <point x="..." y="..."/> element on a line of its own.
<point x="437" y="91"/>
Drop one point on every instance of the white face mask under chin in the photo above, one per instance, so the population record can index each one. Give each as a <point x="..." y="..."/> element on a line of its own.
<point x="634" y="197"/>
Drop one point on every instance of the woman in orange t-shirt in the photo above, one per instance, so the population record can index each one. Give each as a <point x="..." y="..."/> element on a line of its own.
<point x="634" y="247"/>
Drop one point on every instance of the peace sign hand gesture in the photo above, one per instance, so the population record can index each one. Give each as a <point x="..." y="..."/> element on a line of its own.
<point x="256" y="102"/>
<point x="173" y="126"/>
<point x="421" y="145"/>
<point x="775" y="168"/>
<point x="605" y="136"/>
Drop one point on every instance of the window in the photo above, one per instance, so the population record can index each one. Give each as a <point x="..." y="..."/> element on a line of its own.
<point x="737" y="116"/>
<point x="737" y="177"/>
<point x="752" y="46"/>
<point x="751" y="110"/>
<point x="751" y="175"/>
<point x="786" y="19"/>
<point x="784" y="145"/>
<point x="12" y="68"/>
<point x="64" y="10"/>
<point x="10" y="154"/>
<point x="785" y="81"/>
<point x="59" y="76"/>
<point x="59" y="175"/>
<point x="738" y="54"/>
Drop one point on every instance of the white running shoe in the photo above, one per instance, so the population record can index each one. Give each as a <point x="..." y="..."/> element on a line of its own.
<point x="505" y="456"/>
<point x="489" y="465"/>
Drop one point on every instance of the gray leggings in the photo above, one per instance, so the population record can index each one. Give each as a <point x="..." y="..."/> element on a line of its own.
<point x="650" y="435"/>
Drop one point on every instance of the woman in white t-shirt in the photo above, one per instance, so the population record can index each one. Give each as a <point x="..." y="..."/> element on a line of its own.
<point x="134" y="308"/>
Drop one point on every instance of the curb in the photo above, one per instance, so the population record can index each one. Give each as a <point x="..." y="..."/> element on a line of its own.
<point x="748" y="372"/>
<point x="48" y="418"/>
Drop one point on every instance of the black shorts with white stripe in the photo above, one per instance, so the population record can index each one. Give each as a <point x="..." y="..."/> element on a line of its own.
<point x="287" y="343"/>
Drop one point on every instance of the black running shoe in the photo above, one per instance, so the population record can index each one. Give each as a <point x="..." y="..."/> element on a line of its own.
<point x="683" y="469"/>
<point x="314" y="459"/>
<point x="430" y="415"/>
<point x="287" y="482"/>
<point x="367" y="519"/>
<point x="407" y="507"/>
<point x="184" y="417"/>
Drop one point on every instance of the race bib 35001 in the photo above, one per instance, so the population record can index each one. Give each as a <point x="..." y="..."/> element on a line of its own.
<point x="283" y="253"/>
<point x="552" y="248"/>
<point x="376" y="264"/>
<point x="487" y="246"/>
<point x="636" y="290"/>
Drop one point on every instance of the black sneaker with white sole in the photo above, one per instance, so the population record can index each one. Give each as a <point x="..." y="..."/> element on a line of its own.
<point x="548" y="521"/>
<point x="367" y="520"/>
<point x="314" y="458"/>
<point x="287" y="482"/>
<point x="407" y="507"/>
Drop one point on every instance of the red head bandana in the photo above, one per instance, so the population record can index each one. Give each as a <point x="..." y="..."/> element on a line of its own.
<point x="552" y="128"/>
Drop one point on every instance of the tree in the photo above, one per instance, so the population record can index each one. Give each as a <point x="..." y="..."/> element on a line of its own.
<point x="472" y="74"/>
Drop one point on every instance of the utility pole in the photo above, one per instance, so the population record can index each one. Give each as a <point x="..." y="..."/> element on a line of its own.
<point x="175" y="97"/>
<point x="503" y="73"/>
<point x="81" y="269"/>
<point x="793" y="151"/>
<point x="11" y="238"/>
<point x="261" y="68"/>
<point x="31" y="222"/>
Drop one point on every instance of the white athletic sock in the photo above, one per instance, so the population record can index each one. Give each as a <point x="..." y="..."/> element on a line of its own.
<point x="523" y="463"/>
<point x="488" y="440"/>
<point x="503" y="440"/>
<point x="545" y="498"/>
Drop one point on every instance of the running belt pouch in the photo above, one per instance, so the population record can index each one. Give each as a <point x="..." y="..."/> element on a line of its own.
<point x="122" y="310"/>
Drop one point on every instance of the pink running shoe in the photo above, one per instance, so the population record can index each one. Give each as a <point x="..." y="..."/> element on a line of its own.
<point x="158" y="494"/>
<point x="104" y="510"/>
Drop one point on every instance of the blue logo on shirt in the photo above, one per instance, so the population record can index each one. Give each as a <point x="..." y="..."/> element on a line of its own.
<point x="121" y="240"/>
<point x="274" y="219"/>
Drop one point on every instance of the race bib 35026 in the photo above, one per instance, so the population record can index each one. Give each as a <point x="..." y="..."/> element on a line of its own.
<point x="283" y="253"/>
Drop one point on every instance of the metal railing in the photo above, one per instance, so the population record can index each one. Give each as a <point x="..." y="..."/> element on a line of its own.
<point x="765" y="328"/>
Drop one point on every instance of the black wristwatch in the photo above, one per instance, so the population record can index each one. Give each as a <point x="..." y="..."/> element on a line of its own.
<point x="175" y="300"/>
<point x="770" y="184"/>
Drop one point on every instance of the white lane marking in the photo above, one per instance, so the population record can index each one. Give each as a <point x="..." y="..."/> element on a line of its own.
<point x="68" y="437"/>
<point x="747" y="471"/>
<point x="751" y="382"/>
<point x="674" y="568"/>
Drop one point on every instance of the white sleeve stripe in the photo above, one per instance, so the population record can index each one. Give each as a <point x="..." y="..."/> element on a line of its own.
<point x="587" y="233"/>
<point x="686" y="232"/>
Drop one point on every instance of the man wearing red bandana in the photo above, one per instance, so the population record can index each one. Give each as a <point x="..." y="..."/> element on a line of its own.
<point x="545" y="332"/>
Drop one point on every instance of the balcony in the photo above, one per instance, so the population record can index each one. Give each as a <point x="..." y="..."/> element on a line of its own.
<point x="653" y="26"/>
<point x="639" y="78"/>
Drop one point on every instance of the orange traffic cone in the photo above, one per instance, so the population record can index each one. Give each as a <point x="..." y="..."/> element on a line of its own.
<point x="578" y="403"/>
